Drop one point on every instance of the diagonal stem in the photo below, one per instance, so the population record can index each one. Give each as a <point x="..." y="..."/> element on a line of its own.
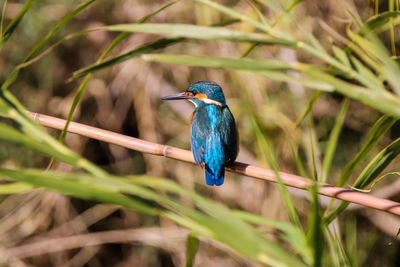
<point x="238" y="167"/>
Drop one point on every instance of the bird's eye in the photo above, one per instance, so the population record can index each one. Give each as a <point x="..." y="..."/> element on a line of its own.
<point x="194" y="92"/>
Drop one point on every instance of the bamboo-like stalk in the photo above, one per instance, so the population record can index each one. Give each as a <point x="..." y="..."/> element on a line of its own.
<point x="238" y="167"/>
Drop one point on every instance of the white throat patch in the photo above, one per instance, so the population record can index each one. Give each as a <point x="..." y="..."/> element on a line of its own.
<point x="210" y="101"/>
<point x="194" y="103"/>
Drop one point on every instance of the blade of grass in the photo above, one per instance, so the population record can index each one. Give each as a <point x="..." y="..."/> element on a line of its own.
<point x="351" y="240"/>
<point x="315" y="228"/>
<point x="337" y="254"/>
<point x="216" y="222"/>
<point x="391" y="71"/>
<point x="384" y="102"/>
<point x="159" y="44"/>
<point x="191" y="249"/>
<point x="237" y="15"/>
<point x="266" y="151"/>
<point x="81" y="89"/>
<point x="370" y="173"/>
<point x="3" y="13"/>
<point x="341" y="55"/>
<point x="15" y="188"/>
<point x="333" y="141"/>
<point x="14" y="23"/>
<point x="308" y="108"/>
<point x="14" y="74"/>
<point x="290" y="232"/>
<point x="377" y="131"/>
<point x="283" y="12"/>
<point x="200" y="32"/>
<point x="70" y="184"/>
<point x="219" y="62"/>
<point x="381" y="22"/>
<point x="36" y="138"/>
<point x="225" y="222"/>
<point x="371" y="80"/>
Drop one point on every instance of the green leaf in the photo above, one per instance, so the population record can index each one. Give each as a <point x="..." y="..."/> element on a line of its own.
<point x="192" y="245"/>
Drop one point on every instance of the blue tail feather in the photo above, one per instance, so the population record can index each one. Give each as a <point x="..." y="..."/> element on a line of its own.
<point x="214" y="179"/>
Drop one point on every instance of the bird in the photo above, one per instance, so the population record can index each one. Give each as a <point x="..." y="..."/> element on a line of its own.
<point x="214" y="137"/>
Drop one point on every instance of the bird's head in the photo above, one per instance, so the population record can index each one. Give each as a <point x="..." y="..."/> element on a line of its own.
<point x="201" y="93"/>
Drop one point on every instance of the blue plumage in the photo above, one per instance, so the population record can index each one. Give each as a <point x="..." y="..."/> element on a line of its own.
<point x="213" y="135"/>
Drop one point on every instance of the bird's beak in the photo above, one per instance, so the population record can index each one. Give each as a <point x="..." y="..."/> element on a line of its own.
<point x="179" y="96"/>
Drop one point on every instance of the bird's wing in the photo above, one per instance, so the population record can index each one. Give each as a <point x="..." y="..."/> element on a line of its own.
<point x="229" y="135"/>
<point x="200" y="131"/>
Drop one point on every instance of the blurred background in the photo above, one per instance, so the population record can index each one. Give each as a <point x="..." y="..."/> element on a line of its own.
<point x="125" y="99"/>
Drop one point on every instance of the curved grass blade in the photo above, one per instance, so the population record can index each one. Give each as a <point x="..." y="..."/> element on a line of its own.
<point x="378" y="163"/>
<point x="14" y="23"/>
<point x="377" y="131"/>
<point x="370" y="173"/>
<point x="375" y="134"/>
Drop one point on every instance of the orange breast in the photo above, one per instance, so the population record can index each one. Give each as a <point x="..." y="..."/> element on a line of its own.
<point x="191" y="118"/>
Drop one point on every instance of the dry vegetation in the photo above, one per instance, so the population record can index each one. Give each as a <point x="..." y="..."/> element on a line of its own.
<point x="44" y="228"/>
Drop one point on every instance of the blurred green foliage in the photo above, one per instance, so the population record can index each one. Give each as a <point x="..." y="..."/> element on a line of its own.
<point x="270" y="57"/>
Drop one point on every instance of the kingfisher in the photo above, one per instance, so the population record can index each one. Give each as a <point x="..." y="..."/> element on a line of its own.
<point x="214" y="138"/>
